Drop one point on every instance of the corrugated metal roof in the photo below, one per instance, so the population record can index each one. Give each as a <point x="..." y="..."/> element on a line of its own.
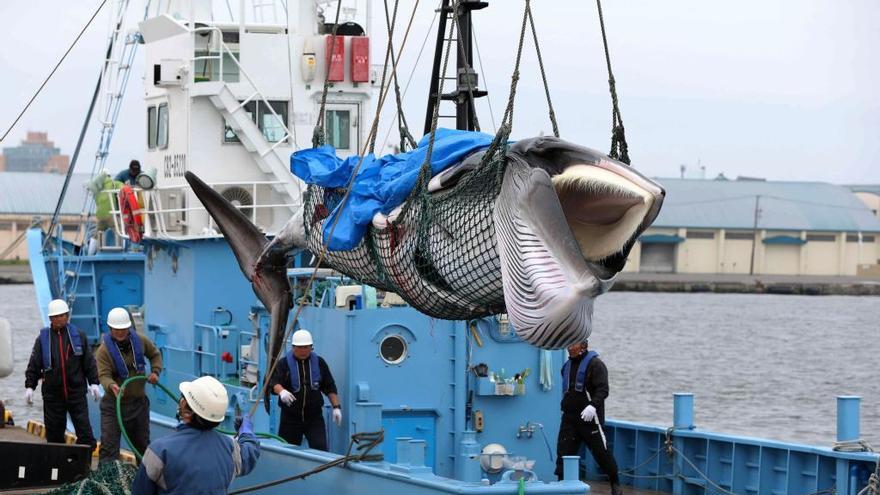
<point x="31" y="193"/>
<point x="730" y="204"/>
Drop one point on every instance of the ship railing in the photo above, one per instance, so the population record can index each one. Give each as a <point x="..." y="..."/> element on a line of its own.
<point x="217" y="37"/>
<point x="160" y="222"/>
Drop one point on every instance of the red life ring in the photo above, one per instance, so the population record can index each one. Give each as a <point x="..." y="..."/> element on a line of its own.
<point x="132" y="215"/>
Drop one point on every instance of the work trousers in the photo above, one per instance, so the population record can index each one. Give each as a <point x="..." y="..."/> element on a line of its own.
<point x="55" y="416"/>
<point x="313" y="428"/>
<point x="135" y="418"/>
<point x="573" y="432"/>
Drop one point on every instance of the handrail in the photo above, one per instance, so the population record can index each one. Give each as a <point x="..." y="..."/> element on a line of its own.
<point x="154" y="213"/>
<point x="225" y="49"/>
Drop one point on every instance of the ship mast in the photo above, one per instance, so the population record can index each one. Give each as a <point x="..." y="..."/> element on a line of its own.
<point x="467" y="79"/>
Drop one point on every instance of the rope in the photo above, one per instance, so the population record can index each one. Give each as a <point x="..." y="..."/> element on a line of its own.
<point x="543" y="73"/>
<point x="45" y="81"/>
<point x="318" y="135"/>
<point x="415" y="66"/>
<point x="372" y="440"/>
<point x="173" y="397"/>
<point x="323" y="252"/>
<point x="403" y="128"/>
<point x="619" y="148"/>
<point x="858" y="445"/>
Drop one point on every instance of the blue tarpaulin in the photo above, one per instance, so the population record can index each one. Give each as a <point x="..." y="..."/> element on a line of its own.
<point x="382" y="184"/>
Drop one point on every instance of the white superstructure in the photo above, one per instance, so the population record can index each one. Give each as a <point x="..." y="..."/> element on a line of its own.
<point x="231" y="92"/>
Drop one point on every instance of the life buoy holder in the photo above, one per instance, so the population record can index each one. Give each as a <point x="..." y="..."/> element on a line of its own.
<point x="132" y="215"/>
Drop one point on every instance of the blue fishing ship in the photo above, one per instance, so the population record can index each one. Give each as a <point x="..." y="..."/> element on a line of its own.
<point x="465" y="406"/>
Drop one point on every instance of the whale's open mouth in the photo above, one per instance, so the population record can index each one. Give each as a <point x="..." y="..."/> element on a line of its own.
<point x="603" y="208"/>
<point x="566" y="219"/>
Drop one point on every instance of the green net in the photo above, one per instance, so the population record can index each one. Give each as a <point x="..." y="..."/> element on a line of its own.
<point x="439" y="254"/>
<point x="111" y="478"/>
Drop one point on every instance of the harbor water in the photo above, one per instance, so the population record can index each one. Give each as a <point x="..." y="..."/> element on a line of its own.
<point x="767" y="366"/>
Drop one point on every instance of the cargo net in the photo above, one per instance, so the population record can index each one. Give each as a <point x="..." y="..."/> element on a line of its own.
<point x="439" y="254"/>
<point x="111" y="478"/>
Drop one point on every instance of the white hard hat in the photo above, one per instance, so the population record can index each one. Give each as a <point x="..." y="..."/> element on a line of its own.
<point x="118" y="319"/>
<point x="58" y="307"/>
<point x="207" y="398"/>
<point x="301" y="338"/>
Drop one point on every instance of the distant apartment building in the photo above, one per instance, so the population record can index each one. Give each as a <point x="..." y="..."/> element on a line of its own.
<point x="35" y="154"/>
<point x="762" y="227"/>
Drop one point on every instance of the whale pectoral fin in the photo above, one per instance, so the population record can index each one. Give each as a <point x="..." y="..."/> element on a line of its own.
<point x="541" y="209"/>
<point x="244" y="237"/>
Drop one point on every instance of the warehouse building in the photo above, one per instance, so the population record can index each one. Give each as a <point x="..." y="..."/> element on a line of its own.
<point x="29" y="198"/>
<point x="760" y="227"/>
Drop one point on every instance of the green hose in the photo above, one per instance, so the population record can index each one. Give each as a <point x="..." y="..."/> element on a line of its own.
<point x="173" y="397"/>
<point x="522" y="486"/>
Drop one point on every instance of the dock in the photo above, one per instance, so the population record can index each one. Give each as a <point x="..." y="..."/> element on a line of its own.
<point x="748" y="284"/>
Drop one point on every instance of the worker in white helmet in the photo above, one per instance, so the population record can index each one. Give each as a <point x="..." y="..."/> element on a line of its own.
<point x="123" y="354"/>
<point x="62" y="359"/>
<point x="299" y="380"/>
<point x="195" y="458"/>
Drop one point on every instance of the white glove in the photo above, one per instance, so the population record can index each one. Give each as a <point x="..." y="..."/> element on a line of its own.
<point x="95" y="391"/>
<point x="588" y="413"/>
<point x="29" y="396"/>
<point x="286" y="397"/>
<point x="337" y="416"/>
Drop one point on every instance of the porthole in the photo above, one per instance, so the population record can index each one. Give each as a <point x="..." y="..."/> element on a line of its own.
<point x="393" y="349"/>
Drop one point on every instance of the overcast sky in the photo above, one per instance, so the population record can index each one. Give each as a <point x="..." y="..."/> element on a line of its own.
<point x="782" y="89"/>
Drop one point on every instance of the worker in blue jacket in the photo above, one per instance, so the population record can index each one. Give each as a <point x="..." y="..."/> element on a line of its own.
<point x="585" y="388"/>
<point x="63" y="360"/>
<point x="195" y="458"/>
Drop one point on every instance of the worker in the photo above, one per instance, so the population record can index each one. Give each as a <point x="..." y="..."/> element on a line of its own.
<point x="299" y="393"/>
<point x="129" y="175"/>
<point x="105" y="200"/>
<point x="195" y="458"/>
<point x="585" y="388"/>
<point x="122" y="355"/>
<point x="63" y="360"/>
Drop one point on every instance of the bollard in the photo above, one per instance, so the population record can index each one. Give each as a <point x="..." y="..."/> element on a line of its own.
<point x="570" y="465"/>
<point x="468" y="466"/>
<point x="403" y="450"/>
<point x="848" y="417"/>
<point x="683" y="411"/>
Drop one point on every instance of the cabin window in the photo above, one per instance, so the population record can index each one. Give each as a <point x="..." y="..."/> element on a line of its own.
<point x="207" y="67"/>
<point x="393" y="349"/>
<point x="338" y="128"/>
<point x="151" y="127"/>
<point x="271" y="127"/>
<point x="162" y="127"/>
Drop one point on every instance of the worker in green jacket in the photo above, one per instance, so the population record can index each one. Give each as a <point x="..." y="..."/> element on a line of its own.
<point x="105" y="200"/>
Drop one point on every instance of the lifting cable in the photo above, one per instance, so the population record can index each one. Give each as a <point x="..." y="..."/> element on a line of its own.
<point x="34" y="97"/>
<point x="319" y="133"/>
<point x="619" y="148"/>
<point x="403" y="127"/>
